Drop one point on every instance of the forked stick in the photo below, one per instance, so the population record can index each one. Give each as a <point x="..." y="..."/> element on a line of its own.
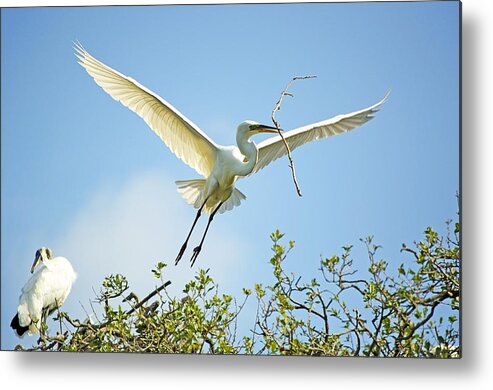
<point x="277" y="107"/>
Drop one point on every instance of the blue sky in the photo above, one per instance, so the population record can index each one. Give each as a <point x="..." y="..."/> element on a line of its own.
<point x="85" y="176"/>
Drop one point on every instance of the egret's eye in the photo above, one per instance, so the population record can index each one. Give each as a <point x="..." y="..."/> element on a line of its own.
<point x="254" y="127"/>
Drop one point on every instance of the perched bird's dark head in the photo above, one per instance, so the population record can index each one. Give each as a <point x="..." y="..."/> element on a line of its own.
<point x="42" y="254"/>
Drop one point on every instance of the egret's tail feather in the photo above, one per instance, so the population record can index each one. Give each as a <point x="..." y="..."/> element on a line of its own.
<point x="191" y="191"/>
<point x="234" y="200"/>
<point x="14" y="324"/>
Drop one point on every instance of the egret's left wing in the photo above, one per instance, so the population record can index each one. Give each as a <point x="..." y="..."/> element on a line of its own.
<point x="181" y="135"/>
<point x="273" y="148"/>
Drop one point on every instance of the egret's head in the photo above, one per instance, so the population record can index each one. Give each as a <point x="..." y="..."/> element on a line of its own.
<point x="42" y="254"/>
<point x="249" y="128"/>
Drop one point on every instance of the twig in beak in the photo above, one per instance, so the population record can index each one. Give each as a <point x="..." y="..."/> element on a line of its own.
<point x="277" y="107"/>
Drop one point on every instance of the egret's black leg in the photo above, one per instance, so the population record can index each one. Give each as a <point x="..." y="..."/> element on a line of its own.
<point x="198" y="248"/>
<point x="184" y="246"/>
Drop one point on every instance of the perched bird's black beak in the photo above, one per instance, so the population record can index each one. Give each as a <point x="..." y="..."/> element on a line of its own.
<point x="37" y="259"/>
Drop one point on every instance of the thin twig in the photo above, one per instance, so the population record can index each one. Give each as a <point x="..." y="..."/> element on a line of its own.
<point x="277" y="107"/>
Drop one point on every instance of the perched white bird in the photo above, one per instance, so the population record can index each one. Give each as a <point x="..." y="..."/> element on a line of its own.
<point x="44" y="292"/>
<point x="221" y="166"/>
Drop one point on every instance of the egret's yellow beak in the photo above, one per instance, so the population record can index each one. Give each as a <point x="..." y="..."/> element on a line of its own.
<point x="37" y="259"/>
<point x="266" y="129"/>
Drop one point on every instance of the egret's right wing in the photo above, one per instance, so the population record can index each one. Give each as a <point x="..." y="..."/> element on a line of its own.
<point x="273" y="148"/>
<point x="181" y="135"/>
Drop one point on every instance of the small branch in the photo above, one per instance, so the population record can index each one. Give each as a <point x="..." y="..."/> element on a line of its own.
<point x="277" y="107"/>
<point x="143" y="301"/>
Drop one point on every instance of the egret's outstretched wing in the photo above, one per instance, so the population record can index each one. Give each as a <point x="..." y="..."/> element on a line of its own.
<point x="273" y="148"/>
<point x="181" y="135"/>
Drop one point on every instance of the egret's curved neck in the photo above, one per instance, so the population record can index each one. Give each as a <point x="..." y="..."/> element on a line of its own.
<point x="249" y="150"/>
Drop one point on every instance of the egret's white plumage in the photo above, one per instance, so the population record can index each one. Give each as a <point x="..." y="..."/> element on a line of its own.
<point x="273" y="148"/>
<point x="221" y="166"/>
<point x="44" y="292"/>
<point x="180" y="134"/>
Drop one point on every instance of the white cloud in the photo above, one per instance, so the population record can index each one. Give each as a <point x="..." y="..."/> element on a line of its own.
<point x="128" y="230"/>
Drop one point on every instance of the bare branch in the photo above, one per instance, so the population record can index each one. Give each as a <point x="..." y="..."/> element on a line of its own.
<point x="277" y="107"/>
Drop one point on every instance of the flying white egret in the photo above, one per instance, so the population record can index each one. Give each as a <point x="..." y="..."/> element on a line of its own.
<point x="221" y="166"/>
<point x="44" y="292"/>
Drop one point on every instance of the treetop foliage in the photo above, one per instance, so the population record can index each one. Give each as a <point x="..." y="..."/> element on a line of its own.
<point x="407" y="311"/>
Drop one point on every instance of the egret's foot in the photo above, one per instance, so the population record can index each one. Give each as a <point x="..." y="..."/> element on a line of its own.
<point x="196" y="252"/>
<point x="182" y="251"/>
